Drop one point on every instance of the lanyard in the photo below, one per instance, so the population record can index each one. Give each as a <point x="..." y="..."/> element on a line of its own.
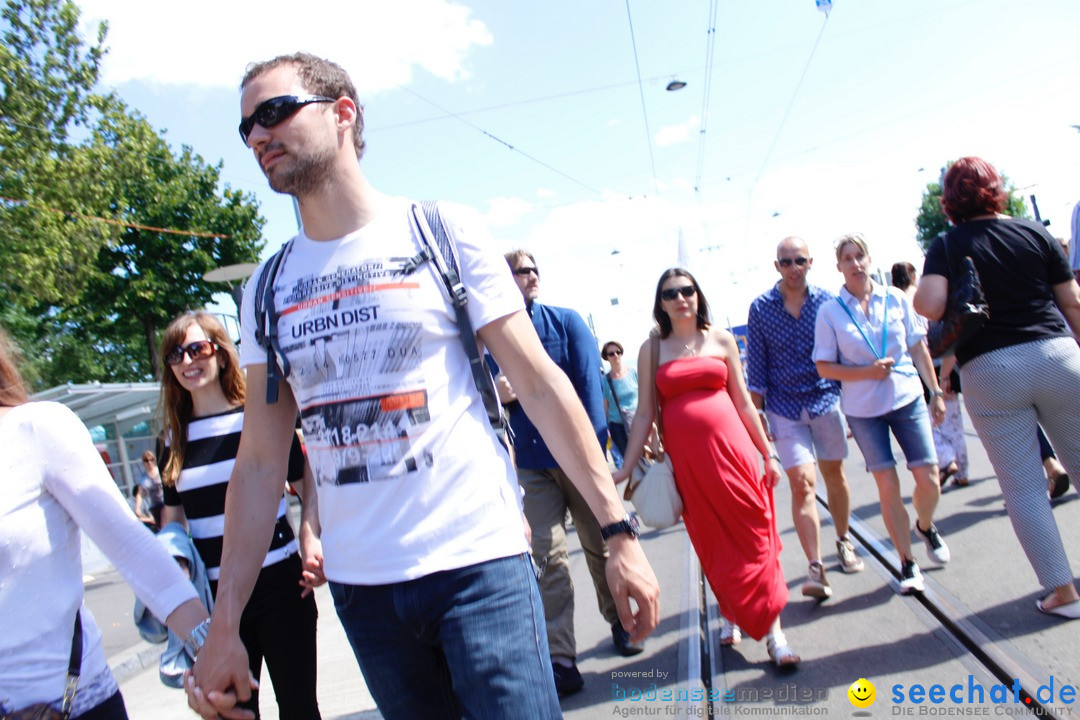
<point x="884" y="324"/>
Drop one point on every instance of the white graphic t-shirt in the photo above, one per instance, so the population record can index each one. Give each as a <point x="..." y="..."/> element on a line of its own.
<point x="411" y="478"/>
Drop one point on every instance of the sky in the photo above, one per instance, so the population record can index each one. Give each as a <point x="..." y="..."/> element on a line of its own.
<point x="552" y="121"/>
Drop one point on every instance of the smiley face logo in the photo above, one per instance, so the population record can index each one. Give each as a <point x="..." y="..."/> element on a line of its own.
<point x="862" y="693"/>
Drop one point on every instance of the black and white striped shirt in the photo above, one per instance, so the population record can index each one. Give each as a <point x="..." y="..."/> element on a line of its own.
<point x="204" y="479"/>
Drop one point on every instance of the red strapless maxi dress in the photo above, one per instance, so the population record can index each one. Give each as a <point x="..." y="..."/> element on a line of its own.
<point x="727" y="508"/>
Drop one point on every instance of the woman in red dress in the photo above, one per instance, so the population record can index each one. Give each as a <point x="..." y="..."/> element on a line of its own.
<point x="713" y="436"/>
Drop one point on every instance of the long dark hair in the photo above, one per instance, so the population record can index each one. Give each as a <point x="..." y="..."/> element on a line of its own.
<point x="175" y="404"/>
<point x="661" y="317"/>
<point x="12" y="388"/>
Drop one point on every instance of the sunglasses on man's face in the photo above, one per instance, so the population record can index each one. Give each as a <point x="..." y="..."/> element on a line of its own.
<point x="525" y="270"/>
<point x="671" y="293"/>
<point x="786" y="262"/>
<point x="198" y="350"/>
<point x="277" y="110"/>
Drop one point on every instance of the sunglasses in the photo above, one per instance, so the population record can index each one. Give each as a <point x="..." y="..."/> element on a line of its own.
<point x="786" y="262"/>
<point x="198" y="350"/>
<point x="671" y="293"/>
<point x="276" y="110"/>
<point x="523" y="271"/>
<point x="615" y="351"/>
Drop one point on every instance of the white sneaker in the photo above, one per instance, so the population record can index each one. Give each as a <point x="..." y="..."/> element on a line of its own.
<point x="850" y="562"/>
<point x="911" y="579"/>
<point x="935" y="544"/>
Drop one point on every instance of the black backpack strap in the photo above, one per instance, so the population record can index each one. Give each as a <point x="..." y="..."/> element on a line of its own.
<point x="266" y="323"/>
<point x="437" y="247"/>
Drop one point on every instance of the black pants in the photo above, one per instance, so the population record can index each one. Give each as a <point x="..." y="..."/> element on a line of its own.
<point x="279" y="626"/>
<point x="111" y="709"/>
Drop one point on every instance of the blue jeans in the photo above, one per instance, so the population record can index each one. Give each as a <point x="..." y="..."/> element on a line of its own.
<point x="465" y="643"/>
<point x="911" y="426"/>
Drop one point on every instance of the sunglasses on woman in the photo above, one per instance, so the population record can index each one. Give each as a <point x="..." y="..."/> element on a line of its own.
<point x="671" y="293"/>
<point x="277" y="110"/>
<point x="613" y="351"/>
<point x="198" y="350"/>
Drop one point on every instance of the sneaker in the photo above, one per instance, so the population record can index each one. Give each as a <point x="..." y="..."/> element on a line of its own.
<point x="621" y="638"/>
<point x="935" y="545"/>
<point x="730" y="634"/>
<point x="567" y="679"/>
<point x="816" y="586"/>
<point x="910" y="578"/>
<point x="850" y="562"/>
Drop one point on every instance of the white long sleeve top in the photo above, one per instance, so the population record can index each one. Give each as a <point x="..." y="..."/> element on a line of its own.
<point x="52" y="483"/>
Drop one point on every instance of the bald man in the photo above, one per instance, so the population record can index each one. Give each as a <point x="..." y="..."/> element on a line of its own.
<point x="801" y="410"/>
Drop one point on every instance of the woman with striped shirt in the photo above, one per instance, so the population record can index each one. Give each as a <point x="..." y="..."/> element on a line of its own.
<point x="202" y="403"/>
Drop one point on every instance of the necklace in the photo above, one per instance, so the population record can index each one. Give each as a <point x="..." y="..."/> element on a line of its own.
<point x="691" y="347"/>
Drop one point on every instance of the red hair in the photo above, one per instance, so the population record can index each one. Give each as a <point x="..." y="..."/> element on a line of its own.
<point x="972" y="188"/>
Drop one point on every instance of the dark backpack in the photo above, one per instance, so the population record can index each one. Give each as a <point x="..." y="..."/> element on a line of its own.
<point x="436" y="247"/>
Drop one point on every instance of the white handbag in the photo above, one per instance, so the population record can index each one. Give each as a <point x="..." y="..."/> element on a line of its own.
<point x="651" y="490"/>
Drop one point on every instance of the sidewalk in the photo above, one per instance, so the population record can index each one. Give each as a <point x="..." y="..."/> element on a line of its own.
<point x="342" y="692"/>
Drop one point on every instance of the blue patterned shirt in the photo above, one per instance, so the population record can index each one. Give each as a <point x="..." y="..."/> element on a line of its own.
<point x="779" y="355"/>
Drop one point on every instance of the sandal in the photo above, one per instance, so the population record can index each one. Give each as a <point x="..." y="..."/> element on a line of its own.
<point x="960" y="481"/>
<point x="781" y="653"/>
<point x="729" y="632"/>
<point x="947" y="472"/>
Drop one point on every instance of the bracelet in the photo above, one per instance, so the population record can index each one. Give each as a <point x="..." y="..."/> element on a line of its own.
<point x="937" y="393"/>
<point x="195" y="639"/>
<point x="774" y="456"/>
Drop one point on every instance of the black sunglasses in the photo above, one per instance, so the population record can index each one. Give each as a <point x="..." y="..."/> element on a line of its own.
<point x="672" y="293"/>
<point x="275" y="110"/>
<point x="786" y="262"/>
<point x="197" y="350"/>
<point x="523" y="271"/>
<point x="613" y="351"/>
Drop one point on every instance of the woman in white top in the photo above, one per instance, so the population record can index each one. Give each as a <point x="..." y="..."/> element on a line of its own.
<point x="54" y="486"/>
<point x="871" y="340"/>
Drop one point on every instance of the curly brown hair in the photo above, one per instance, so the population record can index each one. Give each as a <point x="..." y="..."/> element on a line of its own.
<point x="175" y="404"/>
<point x="12" y="388"/>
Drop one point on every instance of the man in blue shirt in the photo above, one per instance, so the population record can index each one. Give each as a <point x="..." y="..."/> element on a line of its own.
<point x="800" y="409"/>
<point x="548" y="491"/>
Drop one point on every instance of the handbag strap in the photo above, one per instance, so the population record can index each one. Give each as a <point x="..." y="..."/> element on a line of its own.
<point x="884" y="324"/>
<point x="74" y="667"/>
<point x="611" y="384"/>
<point x="654" y="361"/>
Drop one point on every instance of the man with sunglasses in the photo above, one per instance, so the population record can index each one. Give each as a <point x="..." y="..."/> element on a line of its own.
<point x="423" y="540"/>
<point x="799" y="408"/>
<point x="549" y="492"/>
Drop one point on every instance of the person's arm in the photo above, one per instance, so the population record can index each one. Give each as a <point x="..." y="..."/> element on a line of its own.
<point x="744" y="405"/>
<point x="550" y="401"/>
<point x="641" y="427"/>
<point x="932" y="297"/>
<point x="1067" y="299"/>
<point x="141" y="511"/>
<point x="920" y="357"/>
<point x="250" y="510"/>
<point x="310" y="534"/>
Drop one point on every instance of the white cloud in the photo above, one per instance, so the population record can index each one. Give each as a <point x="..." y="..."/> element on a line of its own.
<point x="209" y="43"/>
<point x="680" y="133"/>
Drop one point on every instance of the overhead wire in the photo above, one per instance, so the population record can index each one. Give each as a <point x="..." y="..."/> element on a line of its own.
<point x="710" y="50"/>
<point x="499" y="140"/>
<point x="641" y="92"/>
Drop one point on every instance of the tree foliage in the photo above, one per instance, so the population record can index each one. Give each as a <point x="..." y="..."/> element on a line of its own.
<point x="87" y="298"/>
<point x="931" y="221"/>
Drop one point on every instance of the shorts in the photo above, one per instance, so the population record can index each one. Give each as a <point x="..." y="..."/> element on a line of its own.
<point x="800" y="442"/>
<point x="910" y="425"/>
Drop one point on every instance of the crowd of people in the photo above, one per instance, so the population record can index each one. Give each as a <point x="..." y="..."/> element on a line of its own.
<point x="445" y="549"/>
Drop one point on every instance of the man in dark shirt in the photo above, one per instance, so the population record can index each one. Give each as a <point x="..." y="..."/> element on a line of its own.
<point x="548" y="491"/>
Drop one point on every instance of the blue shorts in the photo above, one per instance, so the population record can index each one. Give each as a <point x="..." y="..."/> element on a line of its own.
<point x="910" y="425"/>
<point x="800" y="442"/>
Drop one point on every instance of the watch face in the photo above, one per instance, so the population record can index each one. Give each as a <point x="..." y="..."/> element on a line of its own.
<point x="635" y="524"/>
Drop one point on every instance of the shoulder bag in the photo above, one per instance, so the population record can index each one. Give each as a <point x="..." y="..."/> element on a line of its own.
<point x="966" y="311"/>
<point x="651" y="488"/>
<point x="45" y="711"/>
<point x="626" y="415"/>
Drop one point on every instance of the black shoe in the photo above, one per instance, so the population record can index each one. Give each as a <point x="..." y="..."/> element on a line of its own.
<point x="567" y="679"/>
<point x="621" y="638"/>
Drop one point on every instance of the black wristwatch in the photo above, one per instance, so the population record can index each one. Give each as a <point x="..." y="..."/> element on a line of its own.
<point x="628" y="525"/>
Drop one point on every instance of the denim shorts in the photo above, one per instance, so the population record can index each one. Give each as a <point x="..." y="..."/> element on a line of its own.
<point x="799" y="442"/>
<point x="910" y="425"/>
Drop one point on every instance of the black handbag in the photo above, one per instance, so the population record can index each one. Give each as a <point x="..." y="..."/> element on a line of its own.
<point x="966" y="311"/>
<point x="45" y="711"/>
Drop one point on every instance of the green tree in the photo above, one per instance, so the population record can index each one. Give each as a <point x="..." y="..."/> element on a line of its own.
<point x="105" y="232"/>
<point x="931" y="220"/>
